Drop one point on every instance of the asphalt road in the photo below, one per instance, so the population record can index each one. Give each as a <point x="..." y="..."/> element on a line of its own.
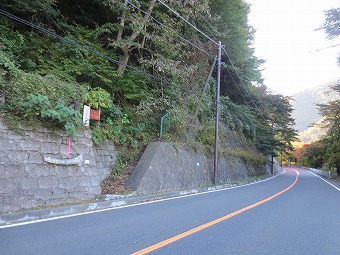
<point x="289" y="214"/>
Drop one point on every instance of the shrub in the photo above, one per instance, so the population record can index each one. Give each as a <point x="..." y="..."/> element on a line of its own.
<point x="98" y="98"/>
<point x="39" y="106"/>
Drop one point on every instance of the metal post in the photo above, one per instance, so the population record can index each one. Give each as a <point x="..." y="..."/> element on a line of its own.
<point x="162" y="120"/>
<point x="192" y="122"/>
<point x="217" y="111"/>
<point x="272" y="161"/>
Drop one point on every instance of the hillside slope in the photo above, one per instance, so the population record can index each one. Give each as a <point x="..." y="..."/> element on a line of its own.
<point x="305" y="105"/>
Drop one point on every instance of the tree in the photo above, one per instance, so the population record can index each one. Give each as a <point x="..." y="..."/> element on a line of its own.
<point x="130" y="30"/>
<point x="331" y="122"/>
<point x="332" y="25"/>
<point x="314" y="155"/>
<point x="276" y="133"/>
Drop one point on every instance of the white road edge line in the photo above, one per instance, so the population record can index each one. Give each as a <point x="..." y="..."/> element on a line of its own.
<point x="335" y="187"/>
<point x="132" y="205"/>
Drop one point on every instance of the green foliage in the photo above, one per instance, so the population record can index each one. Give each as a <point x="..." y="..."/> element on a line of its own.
<point x="58" y="74"/>
<point x="313" y="157"/>
<point x="128" y="132"/>
<point x="35" y="105"/>
<point x="131" y="87"/>
<point x="39" y="106"/>
<point x="98" y="98"/>
<point x="7" y="63"/>
<point x="21" y="84"/>
<point x="238" y="117"/>
<point x="122" y="131"/>
<point x="331" y="122"/>
<point x="248" y="155"/>
<point x="332" y="25"/>
<point x="207" y="135"/>
<point x="39" y="11"/>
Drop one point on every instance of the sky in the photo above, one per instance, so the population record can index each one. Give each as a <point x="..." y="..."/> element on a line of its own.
<point x="286" y="38"/>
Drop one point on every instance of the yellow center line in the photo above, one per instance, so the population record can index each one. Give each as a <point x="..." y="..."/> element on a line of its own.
<point x="211" y="223"/>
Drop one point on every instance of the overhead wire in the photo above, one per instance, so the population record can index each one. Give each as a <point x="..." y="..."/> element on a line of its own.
<point x="198" y="30"/>
<point x="169" y="28"/>
<point x="186" y="21"/>
<point x="249" y="95"/>
<point x="5" y="13"/>
<point x="238" y="75"/>
<point x="162" y="80"/>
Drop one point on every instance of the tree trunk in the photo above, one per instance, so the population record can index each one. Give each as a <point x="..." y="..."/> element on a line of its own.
<point x="123" y="60"/>
<point x="126" y="50"/>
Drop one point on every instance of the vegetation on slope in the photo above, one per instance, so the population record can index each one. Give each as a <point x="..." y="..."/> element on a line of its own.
<point x="57" y="55"/>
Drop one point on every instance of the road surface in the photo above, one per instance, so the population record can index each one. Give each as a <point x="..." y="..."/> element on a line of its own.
<point x="293" y="213"/>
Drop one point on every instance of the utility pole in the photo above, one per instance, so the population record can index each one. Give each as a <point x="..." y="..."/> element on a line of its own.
<point x="217" y="111"/>
<point x="192" y="122"/>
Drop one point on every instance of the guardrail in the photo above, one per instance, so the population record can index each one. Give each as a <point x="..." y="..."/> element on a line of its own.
<point x="326" y="174"/>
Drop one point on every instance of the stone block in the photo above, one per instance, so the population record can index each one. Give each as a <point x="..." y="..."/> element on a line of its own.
<point x="81" y="149"/>
<point x="79" y="195"/>
<point x="61" y="171"/>
<point x="2" y="125"/>
<point x="13" y="198"/>
<point x="84" y="181"/>
<point x="15" y="136"/>
<point x="35" y="158"/>
<point x="67" y="183"/>
<point x="26" y="192"/>
<point x="31" y="202"/>
<point x="91" y="171"/>
<point x="19" y="157"/>
<point x="9" y="144"/>
<point x="34" y="170"/>
<point x="63" y="149"/>
<point x="4" y="159"/>
<point x="50" y="148"/>
<point x="56" y="139"/>
<point x="43" y="194"/>
<point x="75" y="172"/>
<point x="28" y="183"/>
<point x="58" y="193"/>
<point x="95" y="190"/>
<point x="72" y="200"/>
<point x="48" y="182"/>
<point x="42" y="170"/>
<point x="37" y="137"/>
<point x="96" y="180"/>
<point x="2" y="170"/>
<point x="15" y="171"/>
<point x="7" y="185"/>
<point x="87" y="142"/>
<point x="29" y="145"/>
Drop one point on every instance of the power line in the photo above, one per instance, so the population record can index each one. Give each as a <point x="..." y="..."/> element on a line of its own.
<point x="160" y="79"/>
<point x="167" y="27"/>
<point x="251" y="98"/>
<point x="237" y="86"/>
<point x="186" y="21"/>
<point x="7" y="14"/>
<point x="194" y="27"/>
<point x="331" y="46"/>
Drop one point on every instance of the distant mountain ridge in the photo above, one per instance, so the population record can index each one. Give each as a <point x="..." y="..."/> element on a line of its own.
<point x="306" y="112"/>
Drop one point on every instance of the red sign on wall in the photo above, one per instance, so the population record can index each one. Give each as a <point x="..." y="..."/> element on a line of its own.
<point x="94" y="115"/>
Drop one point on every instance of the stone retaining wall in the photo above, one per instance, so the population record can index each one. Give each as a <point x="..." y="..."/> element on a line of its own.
<point x="163" y="167"/>
<point x="28" y="180"/>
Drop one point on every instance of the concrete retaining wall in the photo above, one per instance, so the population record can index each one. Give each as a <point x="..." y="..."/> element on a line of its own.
<point x="164" y="167"/>
<point x="28" y="180"/>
